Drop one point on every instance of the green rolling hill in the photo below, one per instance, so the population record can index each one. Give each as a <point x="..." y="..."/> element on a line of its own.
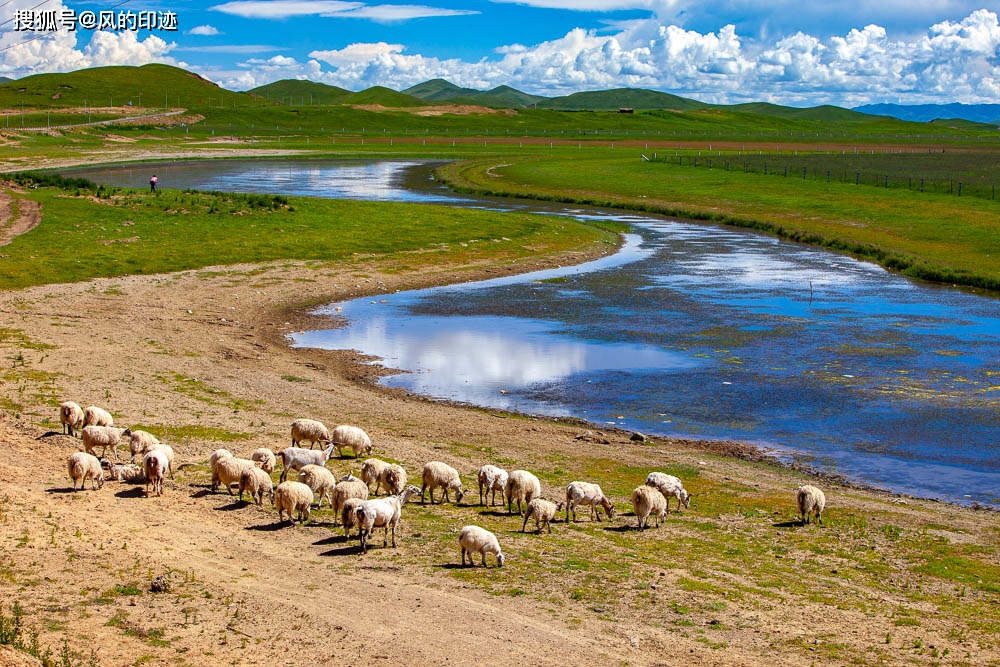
<point x="296" y="91"/>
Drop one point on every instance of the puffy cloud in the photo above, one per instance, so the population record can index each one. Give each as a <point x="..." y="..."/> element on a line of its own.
<point x="205" y="30"/>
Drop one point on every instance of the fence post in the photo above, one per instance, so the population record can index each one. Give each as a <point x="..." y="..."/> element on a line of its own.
<point x="857" y="178"/>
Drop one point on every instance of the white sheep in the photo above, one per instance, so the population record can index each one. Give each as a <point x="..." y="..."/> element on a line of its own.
<point x="320" y="480"/>
<point x="155" y="464"/>
<point x="648" y="500"/>
<point x="83" y="466"/>
<point x="293" y="458"/>
<point x="257" y="483"/>
<point x="544" y="512"/>
<point x="103" y="437"/>
<point x="139" y="442"/>
<point x="384" y="512"/>
<point x="349" y="516"/>
<point x="216" y="455"/>
<point x="477" y="540"/>
<point x="810" y="500"/>
<point x="393" y="479"/>
<point x="491" y="478"/>
<point x="521" y="485"/>
<point x="441" y="475"/>
<point x="95" y="416"/>
<point x="670" y="487"/>
<point x="294" y="498"/>
<point x="349" y="487"/>
<point x="227" y="471"/>
<point x="309" y="430"/>
<point x="126" y="472"/>
<point x="70" y="416"/>
<point x="265" y="459"/>
<point x="149" y="446"/>
<point x="371" y="473"/>
<point x="579" y="494"/>
<point x="353" y="437"/>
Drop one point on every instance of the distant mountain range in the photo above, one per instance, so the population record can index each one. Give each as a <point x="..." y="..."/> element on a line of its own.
<point x="171" y="86"/>
<point x="923" y="113"/>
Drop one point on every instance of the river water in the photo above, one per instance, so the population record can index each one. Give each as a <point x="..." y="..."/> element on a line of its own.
<point x="692" y="330"/>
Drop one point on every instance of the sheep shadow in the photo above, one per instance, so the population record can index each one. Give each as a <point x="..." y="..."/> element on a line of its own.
<point x="234" y="505"/>
<point x="134" y="492"/>
<point x="622" y="528"/>
<point x="346" y="550"/>
<point x="49" y="434"/>
<point x="794" y="523"/>
<point x="201" y="494"/>
<point x="269" y="527"/>
<point x="495" y="512"/>
<point x="63" y="489"/>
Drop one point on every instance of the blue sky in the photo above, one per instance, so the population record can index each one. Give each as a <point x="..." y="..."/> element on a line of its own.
<point x="796" y="53"/>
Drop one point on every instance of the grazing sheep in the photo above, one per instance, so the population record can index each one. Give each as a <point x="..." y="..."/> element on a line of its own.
<point x="265" y="459"/>
<point x="150" y="446"/>
<point x="353" y="437"/>
<point x="70" y="416"/>
<point x="544" y="512"/>
<point x="320" y="480"/>
<point x="491" y="478"/>
<point x="126" y="472"/>
<point x="810" y="500"/>
<point x="309" y="430"/>
<point x="294" y="498"/>
<point x="139" y="442"/>
<point x="441" y="475"/>
<point x="648" y="500"/>
<point x="349" y="516"/>
<point x="83" y="466"/>
<point x="216" y="455"/>
<point x="521" y="485"/>
<point x="349" y="487"/>
<point x="293" y="458"/>
<point x="227" y="471"/>
<point x="371" y="472"/>
<point x="95" y="416"/>
<point x="586" y="493"/>
<point x="384" y="512"/>
<point x="475" y="539"/>
<point x="103" y="437"/>
<point x="669" y="486"/>
<point x="393" y="479"/>
<point x="155" y="464"/>
<point x="257" y="483"/>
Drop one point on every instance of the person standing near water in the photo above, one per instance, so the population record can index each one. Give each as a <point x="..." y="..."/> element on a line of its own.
<point x="152" y="183"/>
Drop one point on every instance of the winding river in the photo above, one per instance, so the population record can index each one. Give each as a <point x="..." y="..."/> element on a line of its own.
<point x="692" y="330"/>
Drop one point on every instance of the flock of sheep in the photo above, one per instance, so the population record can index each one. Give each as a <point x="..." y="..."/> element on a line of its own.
<point x="348" y="496"/>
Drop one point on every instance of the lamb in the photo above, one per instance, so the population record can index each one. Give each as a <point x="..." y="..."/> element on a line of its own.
<point x="309" y="430"/>
<point x="257" y="483"/>
<point x="371" y="472"/>
<point x="265" y="459"/>
<point x="294" y="498"/>
<point x="126" y="472"/>
<point x="139" y="442"/>
<point x="227" y="471"/>
<point x="475" y="539"/>
<point x="393" y="479"/>
<point x="353" y="437"/>
<point x="811" y="500"/>
<point x="293" y="458"/>
<point x="101" y="436"/>
<point x="544" y="512"/>
<point x="83" y="466"/>
<point x="95" y="416"/>
<point x="669" y="486"/>
<point x="586" y="493"/>
<point x="320" y="480"/>
<point x="70" y="416"/>
<point x="384" y="512"/>
<point x="349" y="516"/>
<point x="349" y="487"/>
<point x="491" y="478"/>
<point x="648" y="500"/>
<point x="521" y="485"/>
<point x="441" y="475"/>
<point x="155" y="464"/>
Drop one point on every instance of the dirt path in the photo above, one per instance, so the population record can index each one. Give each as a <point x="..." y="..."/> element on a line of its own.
<point x="17" y="216"/>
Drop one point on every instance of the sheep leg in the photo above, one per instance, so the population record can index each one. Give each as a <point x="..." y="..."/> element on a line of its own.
<point x="523" y="525"/>
<point x="484" y="559"/>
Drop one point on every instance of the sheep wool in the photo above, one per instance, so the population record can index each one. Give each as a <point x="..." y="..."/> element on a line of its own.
<point x="544" y="511"/>
<point x="353" y="437"/>
<point x="521" y="485"/>
<point x="257" y="483"/>
<point x="810" y="500"/>
<point x="83" y="466"/>
<point x="491" y="479"/>
<point x="309" y="430"/>
<point x="438" y="475"/>
<point x="475" y="539"/>
<point x="70" y="416"/>
<point x="647" y="500"/>
<point x="294" y="498"/>
<point x="95" y="416"/>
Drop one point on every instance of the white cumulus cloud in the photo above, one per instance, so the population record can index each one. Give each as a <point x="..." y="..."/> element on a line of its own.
<point x="204" y="30"/>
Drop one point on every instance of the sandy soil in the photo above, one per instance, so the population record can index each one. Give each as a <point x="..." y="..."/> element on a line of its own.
<point x="207" y="349"/>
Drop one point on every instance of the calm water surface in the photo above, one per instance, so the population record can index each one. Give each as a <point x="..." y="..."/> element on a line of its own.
<point x="696" y="330"/>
